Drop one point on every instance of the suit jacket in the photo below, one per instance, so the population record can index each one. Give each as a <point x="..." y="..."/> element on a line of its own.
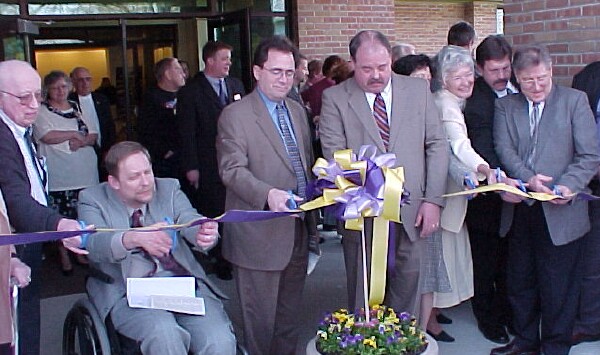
<point x="198" y="109"/>
<point x="100" y="205"/>
<point x="567" y="151"/>
<point x="25" y="213"/>
<point x="588" y="81"/>
<point x="253" y="160"/>
<point x="108" y="135"/>
<point x="6" y="324"/>
<point x="416" y="136"/>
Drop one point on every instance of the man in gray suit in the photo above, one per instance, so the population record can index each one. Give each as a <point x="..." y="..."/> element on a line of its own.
<point x="397" y="115"/>
<point x="264" y="154"/>
<point x="545" y="136"/>
<point x="132" y="197"/>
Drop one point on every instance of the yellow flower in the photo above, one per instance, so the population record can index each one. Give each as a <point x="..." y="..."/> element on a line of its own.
<point x="370" y="342"/>
<point x="322" y="334"/>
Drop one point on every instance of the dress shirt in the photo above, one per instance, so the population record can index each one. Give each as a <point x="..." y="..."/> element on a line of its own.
<point x="387" y="98"/>
<point x="215" y="83"/>
<point x="38" y="191"/>
<point x="502" y="93"/>
<point x="272" y="109"/>
<point x="90" y="116"/>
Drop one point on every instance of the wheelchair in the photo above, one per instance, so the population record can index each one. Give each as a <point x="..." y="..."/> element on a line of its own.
<point x="84" y="332"/>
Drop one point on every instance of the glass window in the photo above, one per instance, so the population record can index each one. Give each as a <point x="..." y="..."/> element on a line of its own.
<point x="9" y="7"/>
<point x="55" y="7"/>
<point x="262" y="27"/>
<point x="257" y="5"/>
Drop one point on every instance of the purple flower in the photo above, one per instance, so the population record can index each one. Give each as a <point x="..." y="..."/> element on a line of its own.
<point x="404" y="316"/>
<point x="390" y="340"/>
<point x="343" y="344"/>
<point x="381" y="329"/>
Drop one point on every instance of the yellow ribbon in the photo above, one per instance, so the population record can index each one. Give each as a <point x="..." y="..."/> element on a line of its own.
<point x="539" y="196"/>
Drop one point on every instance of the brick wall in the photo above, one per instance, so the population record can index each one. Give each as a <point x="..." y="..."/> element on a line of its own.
<point x="325" y="27"/>
<point x="570" y="29"/>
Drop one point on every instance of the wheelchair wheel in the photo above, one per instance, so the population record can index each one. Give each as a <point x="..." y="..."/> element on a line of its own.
<point x="84" y="332"/>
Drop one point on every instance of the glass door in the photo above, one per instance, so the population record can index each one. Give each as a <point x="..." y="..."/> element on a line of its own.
<point x="234" y="29"/>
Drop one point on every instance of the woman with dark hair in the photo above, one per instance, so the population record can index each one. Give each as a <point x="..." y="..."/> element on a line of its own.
<point x="415" y="65"/>
<point x="66" y="138"/>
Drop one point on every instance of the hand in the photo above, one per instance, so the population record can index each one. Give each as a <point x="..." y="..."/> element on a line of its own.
<point x="72" y="243"/>
<point x="316" y="119"/>
<point x="510" y="197"/>
<point x="277" y="200"/>
<point x="75" y="144"/>
<point x="193" y="177"/>
<point x="207" y="236"/>
<point x="536" y="183"/>
<point x="428" y="218"/>
<point x="20" y="272"/>
<point x="156" y="243"/>
<point x="489" y="173"/>
<point x="565" y="192"/>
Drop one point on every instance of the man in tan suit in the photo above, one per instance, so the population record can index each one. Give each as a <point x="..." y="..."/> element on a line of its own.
<point x="264" y="151"/>
<point x="397" y="115"/>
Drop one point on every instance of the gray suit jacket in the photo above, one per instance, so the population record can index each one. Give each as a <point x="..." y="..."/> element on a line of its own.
<point x="252" y="160"/>
<point x="567" y="151"/>
<point x="416" y="136"/>
<point x="100" y="206"/>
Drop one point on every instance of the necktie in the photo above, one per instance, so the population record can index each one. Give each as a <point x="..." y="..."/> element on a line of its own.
<point x="41" y="172"/>
<point x="381" y="119"/>
<point x="534" y="122"/>
<point x="166" y="262"/>
<point x="222" y="93"/>
<point x="509" y="91"/>
<point x="292" y="150"/>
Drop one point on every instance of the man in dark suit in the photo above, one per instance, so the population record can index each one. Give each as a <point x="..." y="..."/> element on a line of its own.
<point x="199" y="104"/>
<point x="545" y="136"/>
<point x="490" y="305"/>
<point x="587" y="324"/>
<point x="97" y="106"/>
<point x="23" y="182"/>
<point x="265" y="157"/>
<point x="132" y="197"/>
<point x="397" y="115"/>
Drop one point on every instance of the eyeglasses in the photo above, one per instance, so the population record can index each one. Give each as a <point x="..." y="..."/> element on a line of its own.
<point x="540" y="80"/>
<point x="279" y="72"/>
<point x="27" y="98"/>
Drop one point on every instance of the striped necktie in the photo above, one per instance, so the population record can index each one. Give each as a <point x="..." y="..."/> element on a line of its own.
<point x="534" y="123"/>
<point x="381" y="119"/>
<point x="292" y="150"/>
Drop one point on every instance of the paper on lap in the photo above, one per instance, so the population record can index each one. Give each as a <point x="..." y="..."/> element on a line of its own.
<point x="175" y="294"/>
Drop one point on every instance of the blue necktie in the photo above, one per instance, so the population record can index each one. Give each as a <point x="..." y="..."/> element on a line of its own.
<point x="222" y="93"/>
<point x="292" y="150"/>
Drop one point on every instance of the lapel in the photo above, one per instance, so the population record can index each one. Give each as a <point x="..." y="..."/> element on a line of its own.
<point x="265" y="124"/>
<point x="546" y="126"/>
<point x="206" y="87"/>
<point x="364" y="115"/>
<point x="399" y="110"/>
<point x="296" y="119"/>
<point x="521" y="121"/>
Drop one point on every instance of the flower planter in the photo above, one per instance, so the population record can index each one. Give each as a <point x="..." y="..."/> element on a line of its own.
<point x="432" y="347"/>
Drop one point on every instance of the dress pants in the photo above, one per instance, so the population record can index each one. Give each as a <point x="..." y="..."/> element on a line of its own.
<point x="28" y="310"/>
<point x="162" y="332"/>
<point x="542" y="283"/>
<point x="588" y="318"/>
<point x="402" y="286"/>
<point x="271" y="301"/>
<point x="489" y="252"/>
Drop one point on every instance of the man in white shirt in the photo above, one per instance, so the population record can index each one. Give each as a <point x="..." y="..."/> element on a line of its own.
<point x="23" y="182"/>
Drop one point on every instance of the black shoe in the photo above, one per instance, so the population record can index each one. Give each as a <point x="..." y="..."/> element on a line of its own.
<point x="329" y="227"/>
<point x="513" y="349"/>
<point x="442" y="319"/>
<point x="584" y="338"/>
<point x="494" y="332"/>
<point x="441" y="336"/>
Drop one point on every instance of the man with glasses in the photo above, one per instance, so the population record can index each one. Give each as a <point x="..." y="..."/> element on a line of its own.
<point x="264" y="153"/>
<point x="23" y="182"/>
<point x="546" y="137"/>
<point x="97" y="107"/>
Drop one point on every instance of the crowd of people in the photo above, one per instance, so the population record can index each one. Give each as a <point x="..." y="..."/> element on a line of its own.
<point x="466" y="117"/>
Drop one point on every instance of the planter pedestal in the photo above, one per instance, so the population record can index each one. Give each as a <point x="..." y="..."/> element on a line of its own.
<point x="432" y="348"/>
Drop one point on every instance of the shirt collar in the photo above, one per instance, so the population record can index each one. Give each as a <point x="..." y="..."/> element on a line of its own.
<point x="17" y="130"/>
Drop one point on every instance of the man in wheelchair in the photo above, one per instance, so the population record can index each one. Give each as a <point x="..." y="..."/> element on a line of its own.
<point x="132" y="197"/>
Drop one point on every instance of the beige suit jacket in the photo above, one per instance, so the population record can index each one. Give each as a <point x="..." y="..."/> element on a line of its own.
<point x="416" y="136"/>
<point x="252" y="160"/>
<point x="6" y="330"/>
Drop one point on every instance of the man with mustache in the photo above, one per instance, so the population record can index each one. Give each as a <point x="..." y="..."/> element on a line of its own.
<point x="490" y="304"/>
<point x="397" y="115"/>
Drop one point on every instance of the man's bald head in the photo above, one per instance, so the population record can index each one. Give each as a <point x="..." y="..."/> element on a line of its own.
<point x="20" y="91"/>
